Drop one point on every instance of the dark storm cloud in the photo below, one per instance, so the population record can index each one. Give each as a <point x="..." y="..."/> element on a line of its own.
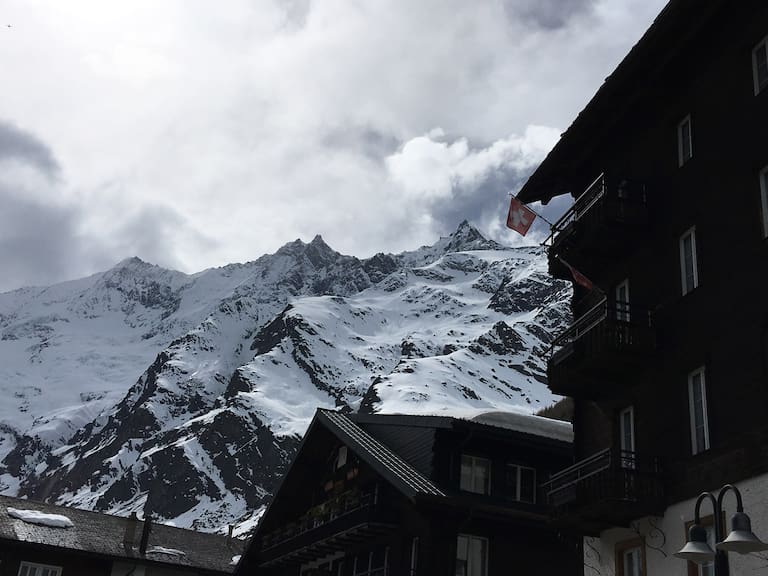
<point x="547" y="14"/>
<point x="38" y="242"/>
<point x="42" y="236"/>
<point x="369" y="142"/>
<point x="19" y="145"/>
<point x="478" y="203"/>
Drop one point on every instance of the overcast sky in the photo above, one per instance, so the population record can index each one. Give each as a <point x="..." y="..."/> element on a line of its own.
<point x="197" y="133"/>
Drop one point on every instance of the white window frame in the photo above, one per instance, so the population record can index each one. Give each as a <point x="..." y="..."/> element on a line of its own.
<point x="702" y="383"/>
<point x="473" y="477"/>
<point x="681" y="130"/>
<point x="34" y="569"/>
<point x="473" y="570"/>
<point x="683" y="277"/>
<point x="762" y="45"/>
<point x="637" y="552"/>
<point x="627" y="462"/>
<point x="518" y="472"/>
<point x="764" y="199"/>
<point x="622" y="306"/>
<point x="414" y="555"/>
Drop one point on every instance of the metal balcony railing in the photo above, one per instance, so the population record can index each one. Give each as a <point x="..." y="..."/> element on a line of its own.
<point x="596" y="203"/>
<point x="619" y="327"/>
<point x="335" y="509"/>
<point x="609" y="475"/>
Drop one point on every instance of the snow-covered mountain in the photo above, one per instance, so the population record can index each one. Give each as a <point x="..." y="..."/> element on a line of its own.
<point x="186" y="395"/>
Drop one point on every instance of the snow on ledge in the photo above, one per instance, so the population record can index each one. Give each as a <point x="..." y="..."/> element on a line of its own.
<point x="41" y="518"/>
<point x="528" y="423"/>
<point x="168" y="551"/>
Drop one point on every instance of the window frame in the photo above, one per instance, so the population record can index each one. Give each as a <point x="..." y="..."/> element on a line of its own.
<point x="37" y="566"/>
<point x="681" y="130"/>
<point x="623" y="308"/>
<point x="695" y="448"/>
<point x="755" y="76"/>
<point x="518" y="484"/>
<point x="763" y="176"/>
<point x="620" y="551"/>
<point x="487" y="549"/>
<point x="694" y="259"/>
<point x="474" y="460"/>
<point x="627" y="462"/>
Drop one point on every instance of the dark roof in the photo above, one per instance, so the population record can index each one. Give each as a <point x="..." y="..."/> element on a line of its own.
<point x="103" y="535"/>
<point x="379" y="457"/>
<point x="672" y="28"/>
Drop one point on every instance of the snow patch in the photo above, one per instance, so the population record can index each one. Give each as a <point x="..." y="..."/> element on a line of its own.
<point x="41" y="518"/>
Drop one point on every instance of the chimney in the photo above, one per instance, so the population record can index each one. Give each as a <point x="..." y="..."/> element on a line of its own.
<point x="145" y="534"/>
<point x="130" y="531"/>
<point x="229" y="535"/>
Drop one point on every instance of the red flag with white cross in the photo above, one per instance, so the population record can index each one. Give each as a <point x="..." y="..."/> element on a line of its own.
<point x="520" y="217"/>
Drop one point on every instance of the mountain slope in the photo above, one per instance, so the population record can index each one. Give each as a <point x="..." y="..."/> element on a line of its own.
<point x="203" y="435"/>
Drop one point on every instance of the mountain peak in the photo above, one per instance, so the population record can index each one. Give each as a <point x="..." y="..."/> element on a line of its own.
<point x="467" y="237"/>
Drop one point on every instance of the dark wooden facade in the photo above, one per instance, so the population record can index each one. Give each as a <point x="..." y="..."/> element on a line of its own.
<point x="328" y="518"/>
<point x="695" y="62"/>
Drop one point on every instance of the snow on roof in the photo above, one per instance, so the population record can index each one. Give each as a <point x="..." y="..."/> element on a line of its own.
<point x="235" y="559"/>
<point x="41" y="518"/>
<point x="528" y="423"/>
<point x="169" y="551"/>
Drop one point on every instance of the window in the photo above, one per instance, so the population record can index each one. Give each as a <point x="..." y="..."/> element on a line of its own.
<point x="630" y="558"/>
<point x="29" y="569"/>
<point x="697" y="400"/>
<point x="471" y="556"/>
<point x="627" y="440"/>
<point x="414" y="556"/>
<point x="760" y="65"/>
<point x="521" y="483"/>
<point x="475" y="474"/>
<point x="764" y="199"/>
<point x="622" y="301"/>
<point x="684" y="141"/>
<point x="375" y="563"/>
<point x="689" y="270"/>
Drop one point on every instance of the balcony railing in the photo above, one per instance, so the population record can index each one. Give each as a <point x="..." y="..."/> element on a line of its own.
<point x="604" y="215"/>
<point x="353" y="514"/>
<point x="610" y="488"/>
<point x="599" y="346"/>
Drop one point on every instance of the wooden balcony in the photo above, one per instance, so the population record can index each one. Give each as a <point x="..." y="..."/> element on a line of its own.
<point x="333" y="526"/>
<point x="601" y="351"/>
<point x="601" y="225"/>
<point x="610" y="488"/>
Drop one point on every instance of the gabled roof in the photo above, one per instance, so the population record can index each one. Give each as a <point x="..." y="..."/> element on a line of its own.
<point x="383" y="460"/>
<point x="672" y="28"/>
<point x="103" y="535"/>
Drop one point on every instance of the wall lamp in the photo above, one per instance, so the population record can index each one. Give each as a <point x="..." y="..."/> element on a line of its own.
<point x="741" y="539"/>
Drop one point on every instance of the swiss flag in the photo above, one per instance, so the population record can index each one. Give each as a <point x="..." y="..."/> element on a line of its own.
<point x="578" y="277"/>
<point x="520" y="217"/>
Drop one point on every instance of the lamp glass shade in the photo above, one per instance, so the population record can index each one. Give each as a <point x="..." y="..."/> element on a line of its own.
<point x="698" y="552"/>
<point x="697" y="549"/>
<point x="741" y="539"/>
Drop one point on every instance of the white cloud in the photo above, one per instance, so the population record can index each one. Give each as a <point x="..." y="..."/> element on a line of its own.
<point x="255" y="122"/>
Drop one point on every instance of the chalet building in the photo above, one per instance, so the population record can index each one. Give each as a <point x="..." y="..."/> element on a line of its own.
<point x="667" y="356"/>
<point x="38" y="539"/>
<point x="417" y="495"/>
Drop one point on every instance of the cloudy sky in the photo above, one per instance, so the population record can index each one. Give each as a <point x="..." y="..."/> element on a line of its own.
<point x="196" y="133"/>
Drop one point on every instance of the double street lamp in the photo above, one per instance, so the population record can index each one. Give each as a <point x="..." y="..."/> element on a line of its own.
<point x="740" y="540"/>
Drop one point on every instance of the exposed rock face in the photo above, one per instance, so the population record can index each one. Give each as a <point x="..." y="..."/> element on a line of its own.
<point x="189" y="394"/>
